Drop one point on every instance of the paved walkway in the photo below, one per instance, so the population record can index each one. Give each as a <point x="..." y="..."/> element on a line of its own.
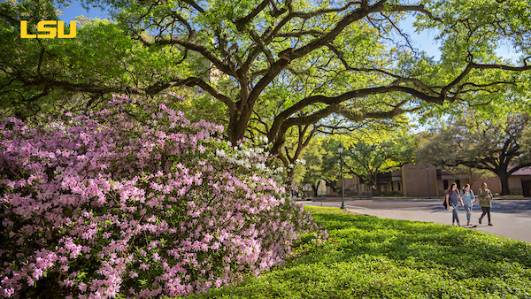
<point x="511" y="218"/>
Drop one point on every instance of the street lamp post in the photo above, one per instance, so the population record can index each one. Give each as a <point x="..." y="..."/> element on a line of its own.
<point x="340" y="151"/>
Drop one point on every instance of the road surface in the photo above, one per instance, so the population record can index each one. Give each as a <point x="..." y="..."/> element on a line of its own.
<point x="511" y="218"/>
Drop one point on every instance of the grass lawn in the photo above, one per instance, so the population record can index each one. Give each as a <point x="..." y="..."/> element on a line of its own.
<point x="367" y="256"/>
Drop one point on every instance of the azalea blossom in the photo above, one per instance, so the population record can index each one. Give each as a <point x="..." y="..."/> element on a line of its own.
<point x="97" y="204"/>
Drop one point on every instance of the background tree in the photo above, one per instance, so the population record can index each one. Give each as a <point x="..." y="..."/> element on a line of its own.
<point x="368" y="159"/>
<point x="372" y="147"/>
<point x="525" y="140"/>
<point x="313" y="172"/>
<point x="330" y="160"/>
<point x="492" y="144"/>
<point x="321" y="154"/>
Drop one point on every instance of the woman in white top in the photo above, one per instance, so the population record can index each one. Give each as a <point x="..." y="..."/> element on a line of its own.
<point x="468" y="199"/>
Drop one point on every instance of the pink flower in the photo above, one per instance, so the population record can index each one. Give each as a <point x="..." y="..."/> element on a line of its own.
<point x="144" y="267"/>
<point x="147" y="196"/>
<point x="8" y="292"/>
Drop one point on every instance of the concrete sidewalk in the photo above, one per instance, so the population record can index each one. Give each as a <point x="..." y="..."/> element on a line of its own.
<point x="514" y="223"/>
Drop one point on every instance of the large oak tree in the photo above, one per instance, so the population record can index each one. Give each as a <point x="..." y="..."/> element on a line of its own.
<point x="291" y="63"/>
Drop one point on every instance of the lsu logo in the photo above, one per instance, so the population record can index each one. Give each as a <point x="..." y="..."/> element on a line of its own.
<point x="48" y="29"/>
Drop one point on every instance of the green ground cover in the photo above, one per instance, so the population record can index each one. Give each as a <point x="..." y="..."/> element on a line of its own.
<point x="371" y="257"/>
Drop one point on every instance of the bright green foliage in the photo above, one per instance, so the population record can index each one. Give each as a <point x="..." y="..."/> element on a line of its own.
<point x="272" y="65"/>
<point x="526" y="140"/>
<point x="313" y="170"/>
<point x="369" y="257"/>
<point x="370" y="150"/>
<point x="322" y="163"/>
<point x="49" y="74"/>
<point x="368" y="160"/>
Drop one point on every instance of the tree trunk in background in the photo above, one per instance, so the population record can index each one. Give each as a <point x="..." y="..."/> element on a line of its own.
<point x="377" y="188"/>
<point x="315" y="188"/>
<point x="504" y="180"/>
<point x="236" y="131"/>
<point x="289" y="180"/>
<point x="238" y="123"/>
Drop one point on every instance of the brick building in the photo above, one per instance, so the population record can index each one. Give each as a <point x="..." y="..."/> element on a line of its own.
<point x="424" y="180"/>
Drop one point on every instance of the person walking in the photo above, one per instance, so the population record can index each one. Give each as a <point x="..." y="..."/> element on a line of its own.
<point x="469" y="199"/>
<point x="485" y="202"/>
<point x="453" y="198"/>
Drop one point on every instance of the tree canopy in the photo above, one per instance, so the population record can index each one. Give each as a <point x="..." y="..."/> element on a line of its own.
<point x="368" y="151"/>
<point x="369" y="159"/>
<point x="273" y="65"/>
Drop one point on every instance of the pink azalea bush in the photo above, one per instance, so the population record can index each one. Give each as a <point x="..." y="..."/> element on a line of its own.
<point x="104" y="204"/>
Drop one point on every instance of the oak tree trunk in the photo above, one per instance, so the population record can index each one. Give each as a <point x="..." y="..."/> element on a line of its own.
<point x="238" y="123"/>
<point x="315" y="188"/>
<point x="504" y="180"/>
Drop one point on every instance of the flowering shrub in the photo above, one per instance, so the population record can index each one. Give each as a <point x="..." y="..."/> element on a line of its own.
<point x="106" y="204"/>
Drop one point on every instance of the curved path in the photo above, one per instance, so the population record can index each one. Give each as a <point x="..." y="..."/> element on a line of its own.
<point x="511" y="218"/>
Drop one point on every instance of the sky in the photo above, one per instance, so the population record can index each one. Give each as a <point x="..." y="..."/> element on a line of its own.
<point x="75" y="9"/>
<point x="423" y="40"/>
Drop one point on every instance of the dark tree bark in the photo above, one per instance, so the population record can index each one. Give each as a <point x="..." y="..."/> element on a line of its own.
<point x="504" y="181"/>
<point x="315" y="188"/>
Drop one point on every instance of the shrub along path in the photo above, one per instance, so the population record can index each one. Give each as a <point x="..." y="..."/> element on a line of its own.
<point x="367" y="256"/>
